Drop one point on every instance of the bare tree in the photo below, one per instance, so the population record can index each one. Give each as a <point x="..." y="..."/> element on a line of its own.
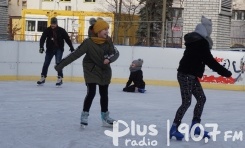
<point x="115" y="6"/>
<point x="148" y="19"/>
<point x="175" y="22"/>
<point x="130" y="8"/>
<point x="119" y="8"/>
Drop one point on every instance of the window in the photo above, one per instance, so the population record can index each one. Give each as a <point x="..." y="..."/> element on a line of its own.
<point x="238" y="15"/>
<point x="233" y="15"/>
<point x="41" y="26"/>
<point x="225" y="7"/>
<point x="24" y="4"/>
<point x="30" y="25"/>
<point x="89" y="0"/>
<point x="68" y="8"/>
<point x="177" y="12"/>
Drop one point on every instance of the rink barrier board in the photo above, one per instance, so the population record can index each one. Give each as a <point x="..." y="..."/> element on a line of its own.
<point x="22" y="61"/>
<point x="124" y="81"/>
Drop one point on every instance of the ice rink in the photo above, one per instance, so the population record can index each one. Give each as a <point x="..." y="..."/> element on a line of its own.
<point x="48" y="117"/>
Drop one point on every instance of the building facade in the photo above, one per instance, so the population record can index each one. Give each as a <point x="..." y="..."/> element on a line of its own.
<point x="219" y="11"/>
<point x="37" y="13"/>
<point x="73" y="15"/>
<point x="4" y="19"/>
<point x="70" y="5"/>
<point x="238" y="24"/>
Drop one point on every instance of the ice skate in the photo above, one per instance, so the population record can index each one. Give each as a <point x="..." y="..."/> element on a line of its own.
<point x="175" y="133"/>
<point x="106" y="120"/>
<point x="59" y="82"/>
<point x="141" y="90"/>
<point x="198" y="131"/>
<point x="84" y="119"/>
<point x="41" y="81"/>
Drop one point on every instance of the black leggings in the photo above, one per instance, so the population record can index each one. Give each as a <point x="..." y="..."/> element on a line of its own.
<point x="91" y="91"/>
<point x="190" y="85"/>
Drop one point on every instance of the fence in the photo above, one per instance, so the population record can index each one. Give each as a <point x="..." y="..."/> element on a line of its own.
<point x="22" y="61"/>
<point x="237" y="34"/>
<point x="142" y="35"/>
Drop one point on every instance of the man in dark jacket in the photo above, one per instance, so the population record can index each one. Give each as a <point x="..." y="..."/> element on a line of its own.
<point x="191" y="67"/>
<point x="54" y="37"/>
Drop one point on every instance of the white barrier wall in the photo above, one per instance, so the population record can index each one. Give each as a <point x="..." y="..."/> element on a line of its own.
<point x="160" y="64"/>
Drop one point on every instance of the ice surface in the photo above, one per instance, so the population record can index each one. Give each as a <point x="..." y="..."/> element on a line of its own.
<point x="48" y="117"/>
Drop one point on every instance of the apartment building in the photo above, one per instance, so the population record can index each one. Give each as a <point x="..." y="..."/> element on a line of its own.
<point x="4" y="19"/>
<point x="238" y="24"/>
<point x="73" y="15"/>
<point x="68" y="11"/>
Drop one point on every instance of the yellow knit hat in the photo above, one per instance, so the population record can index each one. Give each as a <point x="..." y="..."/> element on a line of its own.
<point x="100" y="25"/>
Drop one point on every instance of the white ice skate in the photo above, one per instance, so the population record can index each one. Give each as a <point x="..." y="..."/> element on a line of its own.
<point x="84" y="119"/>
<point x="59" y="82"/>
<point x="41" y="81"/>
<point x="106" y="120"/>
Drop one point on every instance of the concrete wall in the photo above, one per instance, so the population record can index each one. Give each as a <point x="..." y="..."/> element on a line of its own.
<point x="15" y="8"/>
<point x="79" y="5"/>
<point x="76" y="5"/>
<point x="238" y="4"/>
<point x="4" y="19"/>
<point x="238" y="32"/>
<point x="3" y="2"/>
<point x="22" y="61"/>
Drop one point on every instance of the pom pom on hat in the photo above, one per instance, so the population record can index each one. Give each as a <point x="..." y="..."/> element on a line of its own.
<point x="92" y="21"/>
<point x="205" y="30"/>
<point x="205" y="27"/>
<point x="138" y="62"/>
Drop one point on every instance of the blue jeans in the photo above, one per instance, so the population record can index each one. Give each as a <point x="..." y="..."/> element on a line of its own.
<point x="58" y="53"/>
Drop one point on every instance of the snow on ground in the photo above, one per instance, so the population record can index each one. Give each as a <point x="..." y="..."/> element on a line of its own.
<point x="48" y="117"/>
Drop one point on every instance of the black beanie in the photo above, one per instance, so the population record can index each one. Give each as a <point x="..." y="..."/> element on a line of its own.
<point x="54" y="20"/>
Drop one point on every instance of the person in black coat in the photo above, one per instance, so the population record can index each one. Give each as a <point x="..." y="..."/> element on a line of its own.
<point x="191" y="67"/>
<point x="136" y="76"/>
<point x="54" y="37"/>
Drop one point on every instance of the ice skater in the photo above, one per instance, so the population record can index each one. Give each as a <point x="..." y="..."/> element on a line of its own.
<point x="54" y="37"/>
<point x="191" y="67"/>
<point x="136" y="76"/>
<point x="96" y="67"/>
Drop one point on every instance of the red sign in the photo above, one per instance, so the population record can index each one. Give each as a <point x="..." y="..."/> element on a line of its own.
<point x="176" y="28"/>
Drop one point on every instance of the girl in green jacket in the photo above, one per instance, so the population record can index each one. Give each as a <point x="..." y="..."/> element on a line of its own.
<point x="99" y="53"/>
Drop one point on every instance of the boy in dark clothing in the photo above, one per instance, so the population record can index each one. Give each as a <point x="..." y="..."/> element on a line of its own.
<point x="136" y="76"/>
<point x="191" y="67"/>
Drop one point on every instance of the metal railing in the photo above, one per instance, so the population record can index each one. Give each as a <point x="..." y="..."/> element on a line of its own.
<point x="237" y="42"/>
<point x="128" y="40"/>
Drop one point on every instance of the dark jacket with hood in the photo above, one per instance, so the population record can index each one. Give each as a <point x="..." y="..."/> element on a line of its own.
<point x="197" y="55"/>
<point x="137" y="78"/>
<point x="55" y="39"/>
